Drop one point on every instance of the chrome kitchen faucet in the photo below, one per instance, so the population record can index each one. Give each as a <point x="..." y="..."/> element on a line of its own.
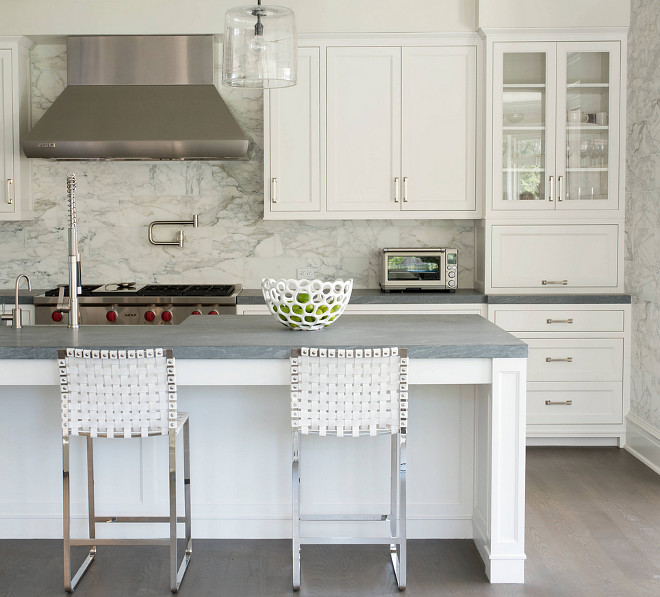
<point x="75" y="287"/>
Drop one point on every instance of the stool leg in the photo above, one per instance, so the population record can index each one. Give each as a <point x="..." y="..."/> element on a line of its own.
<point x="402" y="511"/>
<point x="295" y="517"/>
<point x="66" y="514"/>
<point x="186" y="481"/>
<point x="90" y="490"/>
<point x="172" y="479"/>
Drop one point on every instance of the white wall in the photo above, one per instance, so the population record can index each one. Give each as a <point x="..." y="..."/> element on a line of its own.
<point x="68" y="17"/>
<point x="65" y="17"/>
<point x="553" y="13"/>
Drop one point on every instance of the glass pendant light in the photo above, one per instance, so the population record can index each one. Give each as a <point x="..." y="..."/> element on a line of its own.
<point x="260" y="47"/>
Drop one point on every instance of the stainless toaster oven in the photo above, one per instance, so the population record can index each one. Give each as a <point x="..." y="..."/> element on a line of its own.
<point x="419" y="269"/>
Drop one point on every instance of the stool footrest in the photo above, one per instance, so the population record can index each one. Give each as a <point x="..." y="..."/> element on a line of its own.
<point x="97" y="541"/>
<point x="110" y="519"/>
<point x="350" y="540"/>
<point x="346" y="517"/>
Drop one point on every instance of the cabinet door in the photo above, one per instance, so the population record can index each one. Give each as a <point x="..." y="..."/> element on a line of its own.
<point x="588" y="90"/>
<point x="555" y="258"/>
<point x="363" y="129"/>
<point x="293" y="182"/>
<point x="7" y="193"/>
<point x="438" y="128"/>
<point x="524" y="76"/>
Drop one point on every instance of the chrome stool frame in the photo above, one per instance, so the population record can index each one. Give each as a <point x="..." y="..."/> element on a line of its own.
<point x="361" y="392"/>
<point x="122" y="394"/>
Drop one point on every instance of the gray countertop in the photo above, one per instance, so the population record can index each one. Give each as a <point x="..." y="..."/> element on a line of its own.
<point x="374" y="296"/>
<point x="262" y="337"/>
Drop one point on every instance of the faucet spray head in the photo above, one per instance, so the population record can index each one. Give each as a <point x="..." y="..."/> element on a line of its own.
<point x="71" y="194"/>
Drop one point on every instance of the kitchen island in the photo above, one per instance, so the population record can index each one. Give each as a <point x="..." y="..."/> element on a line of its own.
<point x="466" y="433"/>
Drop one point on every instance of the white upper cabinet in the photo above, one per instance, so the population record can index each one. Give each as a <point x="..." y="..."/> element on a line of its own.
<point x="15" y="192"/>
<point x="364" y="129"/>
<point x="292" y="128"/>
<point x="439" y="129"/>
<point x="556" y="126"/>
<point x="373" y="130"/>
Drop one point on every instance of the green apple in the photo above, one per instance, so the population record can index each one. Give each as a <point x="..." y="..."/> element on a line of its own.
<point x="310" y="309"/>
<point x="310" y="319"/>
<point x="335" y="308"/>
<point x="295" y="318"/>
<point x="284" y="309"/>
<point x="297" y="309"/>
<point x="303" y="297"/>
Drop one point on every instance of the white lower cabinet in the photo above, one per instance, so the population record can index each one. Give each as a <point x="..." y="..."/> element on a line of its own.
<point x="555" y="258"/>
<point x="578" y="372"/>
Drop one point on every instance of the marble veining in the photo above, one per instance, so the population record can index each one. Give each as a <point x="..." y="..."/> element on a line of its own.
<point x="117" y="200"/>
<point x="643" y="207"/>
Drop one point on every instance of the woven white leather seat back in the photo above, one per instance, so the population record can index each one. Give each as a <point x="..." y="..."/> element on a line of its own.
<point x="349" y="392"/>
<point x="117" y="393"/>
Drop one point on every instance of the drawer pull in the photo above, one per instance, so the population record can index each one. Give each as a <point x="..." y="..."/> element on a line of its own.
<point x="273" y="192"/>
<point x="548" y="282"/>
<point x="551" y="360"/>
<point x="570" y="320"/>
<point x="563" y="403"/>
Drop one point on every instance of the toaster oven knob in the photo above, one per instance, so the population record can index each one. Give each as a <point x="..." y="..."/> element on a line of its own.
<point x="57" y="316"/>
<point x="214" y="312"/>
<point x="111" y="316"/>
<point x="451" y="274"/>
<point x="150" y="315"/>
<point x="166" y="315"/>
<point x="196" y="312"/>
<point x="451" y="283"/>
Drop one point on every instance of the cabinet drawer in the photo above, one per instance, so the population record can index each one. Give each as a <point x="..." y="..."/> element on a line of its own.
<point x="577" y="403"/>
<point x="575" y="359"/>
<point x="555" y="257"/>
<point x="560" y="320"/>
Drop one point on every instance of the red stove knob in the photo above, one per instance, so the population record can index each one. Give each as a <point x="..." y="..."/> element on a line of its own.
<point x="166" y="315"/>
<point x="57" y="316"/>
<point x="196" y="312"/>
<point x="111" y="316"/>
<point x="150" y="315"/>
<point x="213" y="312"/>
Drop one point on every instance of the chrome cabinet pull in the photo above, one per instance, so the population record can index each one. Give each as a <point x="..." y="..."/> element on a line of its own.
<point x="396" y="189"/>
<point x="570" y="320"/>
<point x="10" y="185"/>
<point x="405" y="189"/>
<point x="559" y="187"/>
<point x="551" y="360"/>
<point x="548" y="282"/>
<point x="559" y="403"/>
<point x="273" y="190"/>
<point x="551" y="180"/>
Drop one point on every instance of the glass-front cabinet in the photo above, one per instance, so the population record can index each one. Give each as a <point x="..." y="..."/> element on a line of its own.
<point x="556" y="126"/>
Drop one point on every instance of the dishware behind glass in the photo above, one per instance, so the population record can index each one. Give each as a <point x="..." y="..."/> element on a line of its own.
<point x="602" y="118"/>
<point x="514" y="117"/>
<point x="576" y="116"/>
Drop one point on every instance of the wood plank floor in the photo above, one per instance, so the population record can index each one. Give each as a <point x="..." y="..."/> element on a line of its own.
<point x="593" y="530"/>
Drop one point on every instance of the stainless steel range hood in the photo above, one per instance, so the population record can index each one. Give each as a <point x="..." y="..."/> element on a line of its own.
<point x="138" y="98"/>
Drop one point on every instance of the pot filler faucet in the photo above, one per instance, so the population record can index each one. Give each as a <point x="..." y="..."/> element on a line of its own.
<point x="75" y="287"/>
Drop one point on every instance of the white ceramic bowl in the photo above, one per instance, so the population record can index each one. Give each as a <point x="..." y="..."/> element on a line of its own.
<point x="306" y="304"/>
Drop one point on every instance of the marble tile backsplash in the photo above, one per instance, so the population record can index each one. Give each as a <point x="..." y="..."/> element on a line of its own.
<point x="643" y="207"/>
<point x="116" y="201"/>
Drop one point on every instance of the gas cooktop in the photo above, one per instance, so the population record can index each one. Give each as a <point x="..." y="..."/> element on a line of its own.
<point x="153" y="290"/>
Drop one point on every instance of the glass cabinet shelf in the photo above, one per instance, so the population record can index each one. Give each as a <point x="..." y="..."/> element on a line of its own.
<point x="587" y="169"/>
<point x="531" y="127"/>
<point x="586" y="127"/>
<point x="587" y="85"/>
<point x="523" y="85"/>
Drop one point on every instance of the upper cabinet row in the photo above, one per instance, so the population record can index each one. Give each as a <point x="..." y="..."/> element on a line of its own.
<point x="406" y="132"/>
<point x="374" y="132"/>
<point x="556" y="126"/>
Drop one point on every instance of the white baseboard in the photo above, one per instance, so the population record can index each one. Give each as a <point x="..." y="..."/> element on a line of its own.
<point x="643" y="442"/>
<point x="535" y="440"/>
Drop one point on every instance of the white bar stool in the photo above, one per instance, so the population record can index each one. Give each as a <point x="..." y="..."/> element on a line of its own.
<point x="349" y="393"/>
<point x="122" y="394"/>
